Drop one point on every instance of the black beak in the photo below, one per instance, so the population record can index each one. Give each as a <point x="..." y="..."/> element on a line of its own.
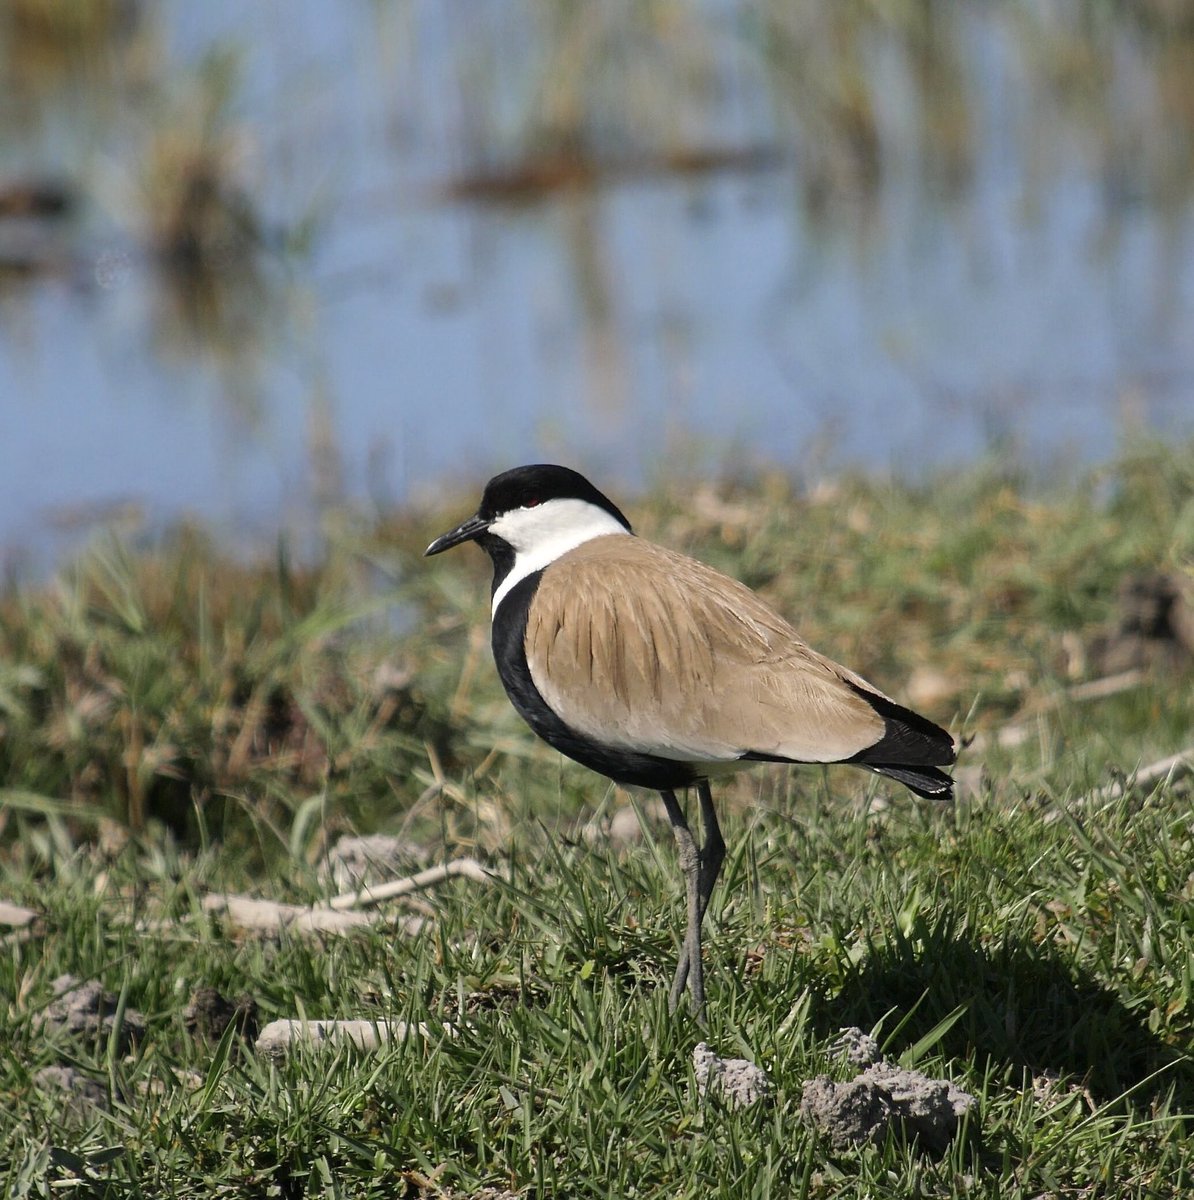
<point x="468" y="530"/>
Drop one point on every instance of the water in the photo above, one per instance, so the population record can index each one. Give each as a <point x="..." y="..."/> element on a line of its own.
<point x="997" y="255"/>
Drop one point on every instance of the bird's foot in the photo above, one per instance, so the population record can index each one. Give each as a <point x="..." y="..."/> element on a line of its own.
<point x="694" y="980"/>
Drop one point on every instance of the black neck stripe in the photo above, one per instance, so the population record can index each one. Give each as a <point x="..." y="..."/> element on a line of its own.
<point x="502" y="555"/>
<point x="509" y="653"/>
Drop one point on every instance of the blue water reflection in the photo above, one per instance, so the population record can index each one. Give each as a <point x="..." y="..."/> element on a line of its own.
<point x="396" y="337"/>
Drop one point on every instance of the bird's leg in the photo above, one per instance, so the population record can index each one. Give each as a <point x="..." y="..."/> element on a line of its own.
<point x="713" y="852"/>
<point x="709" y="859"/>
<point x="701" y="869"/>
<point x="690" y="954"/>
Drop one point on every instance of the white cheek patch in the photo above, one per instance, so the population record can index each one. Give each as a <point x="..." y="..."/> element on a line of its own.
<point x="541" y="534"/>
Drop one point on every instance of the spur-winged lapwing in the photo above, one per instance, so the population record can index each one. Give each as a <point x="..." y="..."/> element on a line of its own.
<point x="657" y="670"/>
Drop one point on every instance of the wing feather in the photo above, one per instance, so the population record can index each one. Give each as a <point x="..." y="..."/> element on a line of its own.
<point x="645" y="649"/>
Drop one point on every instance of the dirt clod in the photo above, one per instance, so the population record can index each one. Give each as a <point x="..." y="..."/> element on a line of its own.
<point x="858" y="1047"/>
<point x="1154" y="625"/>
<point x="209" y="1013"/>
<point x="85" y="1008"/>
<point x="738" y="1079"/>
<point x="82" y="1095"/>
<point x="881" y="1098"/>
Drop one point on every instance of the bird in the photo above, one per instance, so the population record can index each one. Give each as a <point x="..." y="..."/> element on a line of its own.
<point x="658" y="671"/>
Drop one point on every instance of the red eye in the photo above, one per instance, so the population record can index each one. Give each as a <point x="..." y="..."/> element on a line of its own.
<point x="533" y="502"/>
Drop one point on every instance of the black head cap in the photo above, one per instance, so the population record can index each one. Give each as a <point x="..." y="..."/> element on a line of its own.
<point x="524" y="487"/>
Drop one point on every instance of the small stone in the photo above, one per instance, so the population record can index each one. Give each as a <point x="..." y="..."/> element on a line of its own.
<point x="85" y="1008"/>
<point x="16" y="916"/>
<point x="738" y="1079"/>
<point x="624" y="827"/>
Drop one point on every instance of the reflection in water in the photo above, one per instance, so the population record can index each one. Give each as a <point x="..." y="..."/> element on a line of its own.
<point x="607" y="374"/>
<point x="360" y="249"/>
<point x="194" y="209"/>
<point x="51" y="46"/>
<point x="205" y="239"/>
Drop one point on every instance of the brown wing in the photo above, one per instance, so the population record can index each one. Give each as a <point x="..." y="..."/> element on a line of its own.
<point x="646" y="649"/>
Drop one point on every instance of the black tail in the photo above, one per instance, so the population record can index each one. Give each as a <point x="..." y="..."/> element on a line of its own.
<point x="910" y="750"/>
<point x="928" y="782"/>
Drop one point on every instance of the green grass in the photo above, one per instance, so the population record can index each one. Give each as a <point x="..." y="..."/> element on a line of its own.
<point x="174" y="723"/>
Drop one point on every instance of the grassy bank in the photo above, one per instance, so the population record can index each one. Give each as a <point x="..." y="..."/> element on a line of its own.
<point x="174" y="724"/>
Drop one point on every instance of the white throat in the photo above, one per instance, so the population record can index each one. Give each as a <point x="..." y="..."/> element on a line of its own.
<point x="541" y="534"/>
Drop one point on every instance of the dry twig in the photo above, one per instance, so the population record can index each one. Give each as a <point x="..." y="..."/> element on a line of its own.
<point x="278" y="1036"/>
<point x="469" y="868"/>
<point x="1162" y="769"/>
<point x="334" y="916"/>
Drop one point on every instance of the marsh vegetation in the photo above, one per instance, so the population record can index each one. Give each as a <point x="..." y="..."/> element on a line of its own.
<point x="176" y="724"/>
